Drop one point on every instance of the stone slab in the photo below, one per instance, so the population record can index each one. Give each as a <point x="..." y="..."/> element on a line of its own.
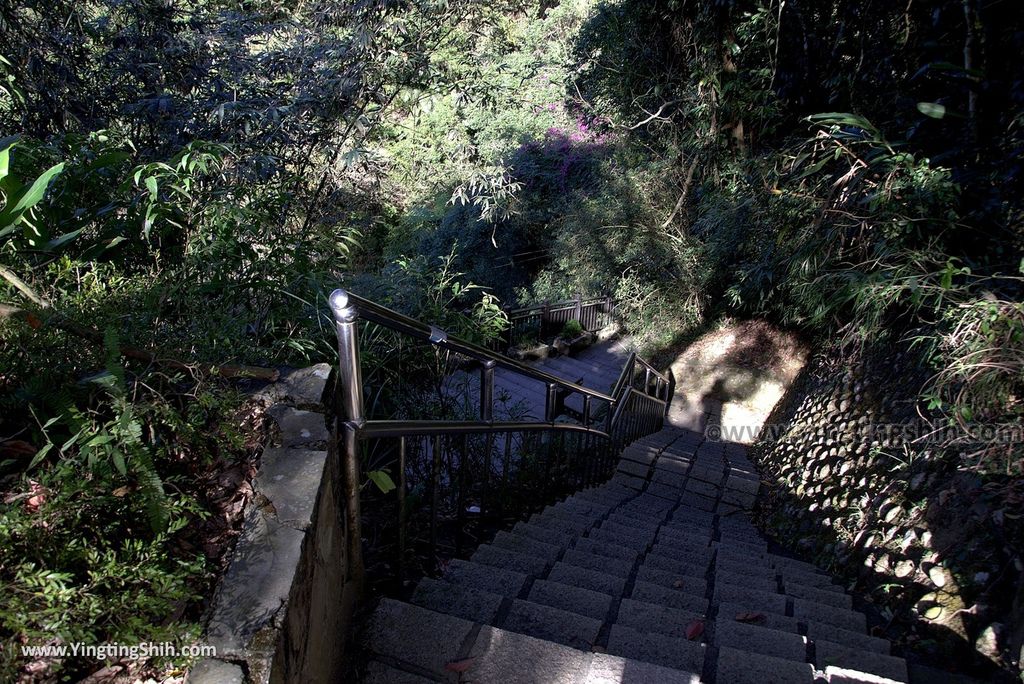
<point x="810" y="611"/>
<point x="829" y="598"/>
<point x="742" y="667"/>
<point x="763" y="640"/>
<point x="678" y="654"/>
<point x="379" y="673"/>
<point x="601" y="548"/>
<point x="521" y="544"/>
<point x="587" y="579"/>
<point x="213" y="671"/>
<point x="681" y="599"/>
<point x="751" y="598"/>
<point x="552" y="624"/>
<point x="592" y="561"/>
<point x="828" y="653"/>
<point x="731" y="610"/>
<point x="609" y="669"/>
<point x="290" y="480"/>
<point x="485" y="578"/>
<point x="651" y="618"/>
<point x="687" y="578"/>
<point x="826" y="632"/>
<point x="257" y="583"/>
<point x="593" y="604"/>
<point x="417" y="636"/>
<point x="464" y="602"/>
<point x="510" y="560"/>
<point x="499" y="656"/>
<point x="299" y="428"/>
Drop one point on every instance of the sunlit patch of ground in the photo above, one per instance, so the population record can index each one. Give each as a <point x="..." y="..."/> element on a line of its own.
<point x="733" y="377"/>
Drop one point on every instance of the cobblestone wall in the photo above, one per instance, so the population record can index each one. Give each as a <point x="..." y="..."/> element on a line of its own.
<point x="920" y="537"/>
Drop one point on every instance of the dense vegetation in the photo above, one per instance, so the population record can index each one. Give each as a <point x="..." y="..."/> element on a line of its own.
<point x="181" y="182"/>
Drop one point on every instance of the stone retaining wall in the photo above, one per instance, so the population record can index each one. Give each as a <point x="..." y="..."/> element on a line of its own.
<point x="282" y="610"/>
<point x="900" y="522"/>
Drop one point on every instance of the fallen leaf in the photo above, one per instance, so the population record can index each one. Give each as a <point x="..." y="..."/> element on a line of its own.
<point x="750" y="617"/>
<point x="694" y="630"/>
<point x="678" y="584"/>
<point x="460" y="665"/>
<point x="33" y="321"/>
<point x="121" y="491"/>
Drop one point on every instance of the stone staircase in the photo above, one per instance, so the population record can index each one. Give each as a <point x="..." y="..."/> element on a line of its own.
<point x="657" y="575"/>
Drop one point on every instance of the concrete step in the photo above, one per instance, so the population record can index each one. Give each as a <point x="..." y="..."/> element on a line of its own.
<point x="543" y="534"/>
<point x="839" y="675"/>
<point x="828" y="653"/>
<point x="526" y="545"/>
<point x="651" y="618"/>
<point x="464" y="602"/>
<point x="611" y="669"/>
<point x="826" y="632"/>
<point x="740" y="612"/>
<point x="552" y="624"/>
<point x="593" y="604"/>
<point x="500" y="656"/>
<point x="811" y="611"/>
<point x="592" y="561"/>
<point x="587" y="579"/>
<point x="829" y="598"/>
<point x="762" y="640"/>
<point x="416" y="637"/>
<point x="751" y="599"/>
<point x="485" y="578"/>
<point x="510" y="560"/>
<point x="601" y="548"/>
<point x="686" y="578"/>
<point x="678" y="654"/>
<point x="687" y="598"/>
<point x="737" y="666"/>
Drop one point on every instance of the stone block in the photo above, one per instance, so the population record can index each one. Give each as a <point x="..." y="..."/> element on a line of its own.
<point x="652" y="618"/>
<point x="587" y="579"/>
<point x="417" y="636"/>
<point x="485" y="578"/>
<point x="592" y="561"/>
<point x="683" y="598"/>
<point x="290" y="480"/>
<point x="742" y="667"/>
<point x="552" y="624"/>
<point x="593" y="604"/>
<point x="452" y="599"/>
<point x="609" y="669"/>
<point x="256" y="585"/>
<point x="499" y="656"/>
<point x="763" y="640"/>
<point x="678" y="654"/>
<point x="828" y="654"/>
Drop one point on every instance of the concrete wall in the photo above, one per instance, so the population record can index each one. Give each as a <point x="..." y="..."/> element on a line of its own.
<point x="283" y="610"/>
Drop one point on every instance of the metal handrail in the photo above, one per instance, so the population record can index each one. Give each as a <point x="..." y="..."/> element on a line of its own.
<point x="647" y="408"/>
<point x="340" y="300"/>
<point x="407" y="428"/>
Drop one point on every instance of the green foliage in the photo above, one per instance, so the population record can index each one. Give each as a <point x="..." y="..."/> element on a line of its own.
<point x="572" y="329"/>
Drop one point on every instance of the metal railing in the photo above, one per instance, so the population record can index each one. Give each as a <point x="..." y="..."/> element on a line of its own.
<point x="471" y="474"/>
<point x="541" y="321"/>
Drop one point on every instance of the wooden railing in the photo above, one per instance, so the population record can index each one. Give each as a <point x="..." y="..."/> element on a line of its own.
<point x="541" y="322"/>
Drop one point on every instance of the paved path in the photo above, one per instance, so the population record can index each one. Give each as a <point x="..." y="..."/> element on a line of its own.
<point x="656" y="576"/>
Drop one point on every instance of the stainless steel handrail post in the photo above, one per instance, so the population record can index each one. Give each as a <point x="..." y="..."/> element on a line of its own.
<point x="350" y="419"/>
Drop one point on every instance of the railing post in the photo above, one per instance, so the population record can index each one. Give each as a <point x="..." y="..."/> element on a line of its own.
<point x="350" y="419"/>
<point x="487" y="391"/>
<point x="578" y="312"/>
<point x="670" y="391"/>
